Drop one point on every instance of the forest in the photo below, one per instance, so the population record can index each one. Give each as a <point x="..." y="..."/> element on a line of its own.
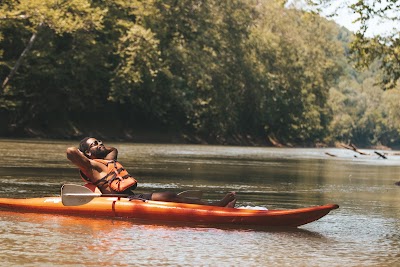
<point x="239" y="72"/>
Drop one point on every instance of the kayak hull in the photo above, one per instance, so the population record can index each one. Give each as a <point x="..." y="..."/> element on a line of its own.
<point x="113" y="207"/>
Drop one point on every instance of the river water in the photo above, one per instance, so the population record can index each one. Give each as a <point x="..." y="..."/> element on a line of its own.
<point x="364" y="231"/>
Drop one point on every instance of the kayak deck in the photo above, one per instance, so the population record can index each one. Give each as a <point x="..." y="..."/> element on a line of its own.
<point x="114" y="207"/>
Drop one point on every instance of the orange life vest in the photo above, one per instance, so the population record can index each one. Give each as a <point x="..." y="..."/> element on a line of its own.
<point x="117" y="177"/>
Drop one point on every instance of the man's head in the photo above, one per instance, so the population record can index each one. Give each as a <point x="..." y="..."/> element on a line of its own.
<point x="92" y="148"/>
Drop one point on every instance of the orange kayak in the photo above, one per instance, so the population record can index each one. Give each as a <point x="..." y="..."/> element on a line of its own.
<point x="115" y="207"/>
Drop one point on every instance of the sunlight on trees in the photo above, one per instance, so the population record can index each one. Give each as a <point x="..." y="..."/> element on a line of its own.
<point x="232" y="72"/>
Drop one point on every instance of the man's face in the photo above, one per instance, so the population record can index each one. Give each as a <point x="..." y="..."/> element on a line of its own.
<point x="96" y="149"/>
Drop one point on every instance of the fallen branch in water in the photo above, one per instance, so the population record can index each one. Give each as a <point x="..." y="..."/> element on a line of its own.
<point x="380" y="155"/>
<point x="354" y="148"/>
<point x="329" y="154"/>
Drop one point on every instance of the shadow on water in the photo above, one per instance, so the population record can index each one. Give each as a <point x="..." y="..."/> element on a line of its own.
<point x="31" y="219"/>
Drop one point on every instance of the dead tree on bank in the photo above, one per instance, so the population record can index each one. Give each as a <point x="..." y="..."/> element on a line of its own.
<point x="20" y="59"/>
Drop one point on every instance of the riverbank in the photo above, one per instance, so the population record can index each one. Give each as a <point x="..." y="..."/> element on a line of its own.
<point x="137" y="135"/>
<point x="156" y="135"/>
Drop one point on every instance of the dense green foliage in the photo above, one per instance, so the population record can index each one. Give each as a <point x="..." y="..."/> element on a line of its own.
<point x="367" y="115"/>
<point x="228" y="72"/>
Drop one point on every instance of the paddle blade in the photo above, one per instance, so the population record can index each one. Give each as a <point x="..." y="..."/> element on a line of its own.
<point x="75" y="195"/>
<point x="194" y="194"/>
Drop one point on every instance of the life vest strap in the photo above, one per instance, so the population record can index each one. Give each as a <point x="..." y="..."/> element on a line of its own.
<point x="114" y="173"/>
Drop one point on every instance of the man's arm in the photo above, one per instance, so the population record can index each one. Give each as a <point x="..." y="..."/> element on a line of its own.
<point x="79" y="159"/>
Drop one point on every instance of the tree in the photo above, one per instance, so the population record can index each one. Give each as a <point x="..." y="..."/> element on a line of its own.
<point x="221" y="71"/>
<point x="62" y="17"/>
<point x="199" y="84"/>
<point x="296" y="62"/>
<point x="384" y="47"/>
<point x="81" y="48"/>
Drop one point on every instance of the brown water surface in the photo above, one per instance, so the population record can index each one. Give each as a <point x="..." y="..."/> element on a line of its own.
<point x="364" y="231"/>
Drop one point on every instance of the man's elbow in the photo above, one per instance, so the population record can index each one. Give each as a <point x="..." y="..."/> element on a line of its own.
<point x="71" y="151"/>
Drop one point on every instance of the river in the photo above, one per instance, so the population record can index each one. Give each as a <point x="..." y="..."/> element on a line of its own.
<point x="364" y="231"/>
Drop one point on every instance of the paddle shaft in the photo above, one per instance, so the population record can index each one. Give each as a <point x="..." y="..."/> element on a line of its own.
<point x="94" y="195"/>
<point x="73" y="195"/>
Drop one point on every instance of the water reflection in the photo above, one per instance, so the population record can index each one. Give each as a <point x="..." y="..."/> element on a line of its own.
<point x="362" y="232"/>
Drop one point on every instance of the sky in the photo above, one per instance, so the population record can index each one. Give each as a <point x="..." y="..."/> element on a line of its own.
<point x="345" y="17"/>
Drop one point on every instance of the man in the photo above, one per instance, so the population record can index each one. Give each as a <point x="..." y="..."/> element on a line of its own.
<point x="98" y="166"/>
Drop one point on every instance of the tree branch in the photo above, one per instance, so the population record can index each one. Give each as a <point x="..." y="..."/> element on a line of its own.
<point x="21" y="57"/>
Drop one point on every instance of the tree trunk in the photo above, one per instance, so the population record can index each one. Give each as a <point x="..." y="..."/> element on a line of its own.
<point x="21" y="57"/>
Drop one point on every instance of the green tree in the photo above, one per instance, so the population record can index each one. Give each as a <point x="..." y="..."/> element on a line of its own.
<point x="221" y="71"/>
<point x="202" y="46"/>
<point x="296" y="58"/>
<point x="61" y="17"/>
<point x="384" y="47"/>
<point x="81" y="48"/>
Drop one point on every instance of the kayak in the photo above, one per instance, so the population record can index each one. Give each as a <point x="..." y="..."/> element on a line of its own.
<point x="121" y="207"/>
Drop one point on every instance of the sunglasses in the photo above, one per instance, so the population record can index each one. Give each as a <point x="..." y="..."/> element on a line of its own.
<point x="95" y="143"/>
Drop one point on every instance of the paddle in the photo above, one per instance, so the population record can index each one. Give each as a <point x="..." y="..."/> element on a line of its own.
<point x="75" y="195"/>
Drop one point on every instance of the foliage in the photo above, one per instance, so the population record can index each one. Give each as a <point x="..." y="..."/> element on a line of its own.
<point x="297" y="50"/>
<point x="383" y="46"/>
<point x="222" y="72"/>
